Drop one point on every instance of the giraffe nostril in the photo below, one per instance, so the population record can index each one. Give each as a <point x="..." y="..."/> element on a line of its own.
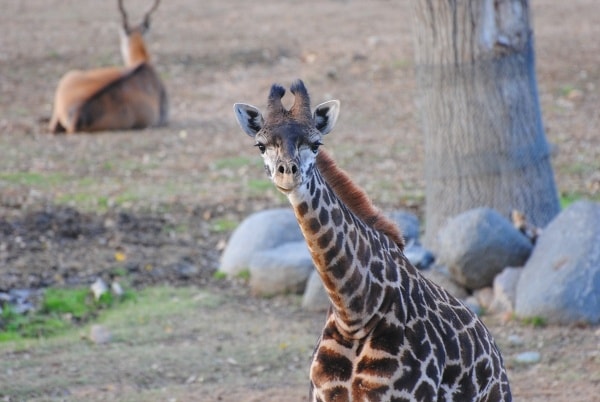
<point x="294" y="169"/>
<point x="281" y="169"/>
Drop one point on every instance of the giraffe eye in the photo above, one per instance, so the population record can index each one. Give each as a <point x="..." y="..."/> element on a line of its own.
<point x="261" y="147"/>
<point x="315" y="146"/>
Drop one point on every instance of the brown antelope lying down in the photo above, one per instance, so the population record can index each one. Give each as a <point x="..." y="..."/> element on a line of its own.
<point x="113" y="98"/>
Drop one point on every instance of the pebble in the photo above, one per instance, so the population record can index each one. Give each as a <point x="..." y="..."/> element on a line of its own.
<point x="98" y="288"/>
<point x="529" y="357"/>
<point x="116" y="288"/>
<point x="99" y="334"/>
<point x="515" y="340"/>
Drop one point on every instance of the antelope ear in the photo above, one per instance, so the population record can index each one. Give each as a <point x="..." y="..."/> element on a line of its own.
<point x="249" y="118"/>
<point x="325" y="115"/>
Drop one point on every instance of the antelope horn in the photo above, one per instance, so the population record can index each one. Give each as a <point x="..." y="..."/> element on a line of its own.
<point x="301" y="107"/>
<point x="274" y="104"/>
<point x="124" y="16"/>
<point x="149" y="12"/>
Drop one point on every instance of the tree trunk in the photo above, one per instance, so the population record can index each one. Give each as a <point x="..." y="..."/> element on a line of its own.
<point x="477" y="96"/>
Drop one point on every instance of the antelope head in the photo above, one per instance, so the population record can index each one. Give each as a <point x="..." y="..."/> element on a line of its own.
<point x="133" y="48"/>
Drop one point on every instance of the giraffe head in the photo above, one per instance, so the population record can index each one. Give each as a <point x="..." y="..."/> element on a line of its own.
<point x="288" y="140"/>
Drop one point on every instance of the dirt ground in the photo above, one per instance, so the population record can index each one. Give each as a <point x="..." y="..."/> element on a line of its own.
<point x="168" y="198"/>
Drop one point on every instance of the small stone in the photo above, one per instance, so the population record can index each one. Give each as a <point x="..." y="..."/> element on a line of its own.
<point x="116" y="289"/>
<point x="99" y="334"/>
<point x="473" y="304"/>
<point x="529" y="357"/>
<point x="418" y="256"/>
<point x="408" y="224"/>
<point x="515" y="340"/>
<point x="484" y="296"/>
<point x="186" y="269"/>
<point x="98" y="288"/>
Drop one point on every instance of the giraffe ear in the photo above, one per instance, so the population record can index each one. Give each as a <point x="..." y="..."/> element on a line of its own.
<point x="249" y="118"/>
<point x="325" y="115"/>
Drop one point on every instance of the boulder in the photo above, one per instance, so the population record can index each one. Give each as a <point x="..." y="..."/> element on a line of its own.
<point x="280" y="270"/>
<point x="561" y="280"/>
<point x="419" y="256"/>
<point x="408" y="224"/>
<point x="315" y="297"/>
<point x="440" y="276"/>
<point x="484" y="297"/>
<point x="505" y="287"/>
<point x="478" y="244"/>
<point x="259" y="232"/>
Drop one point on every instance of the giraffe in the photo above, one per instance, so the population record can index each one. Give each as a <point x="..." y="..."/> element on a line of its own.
<point x="390" y="334"/>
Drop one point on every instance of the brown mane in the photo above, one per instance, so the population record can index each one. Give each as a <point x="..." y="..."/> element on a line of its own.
<point x="356" y="199"/>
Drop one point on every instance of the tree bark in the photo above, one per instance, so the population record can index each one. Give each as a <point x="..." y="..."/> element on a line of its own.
<point x="478" y="102"/>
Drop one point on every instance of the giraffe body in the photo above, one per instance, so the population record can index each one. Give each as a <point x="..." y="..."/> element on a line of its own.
<point x="390" y="334"/>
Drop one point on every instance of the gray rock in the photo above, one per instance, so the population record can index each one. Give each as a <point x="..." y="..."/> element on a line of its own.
<point x="529" y="357"/>
<point x="21" y="301"/>
<point x="98" y="288"/>
<point x="441" y="276"/>
<point x="478" y="244"/>
<point x="99" y="334"/>
<point x="184" y="268"/>
<point x="408" y="224"/>
<point x="419" y="256"/>
<point x="515" y="340"/>
<point x="284" y="269"/>
<point x="473" y="304"/>
<point x="505" y="287"/>
<point x="315" y="297"/>
<point x="484" y="297"/>
<point x="561" y="280"/>
<point x="259" y="232"/>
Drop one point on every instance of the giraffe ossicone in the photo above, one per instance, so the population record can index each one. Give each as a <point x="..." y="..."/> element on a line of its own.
<point x="390" y="334"/>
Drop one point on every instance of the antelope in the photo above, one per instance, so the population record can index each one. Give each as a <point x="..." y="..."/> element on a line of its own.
<point x="113" y="98"/>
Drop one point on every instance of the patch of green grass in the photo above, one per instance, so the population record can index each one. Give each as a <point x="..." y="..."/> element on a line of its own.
<point x="245" y="274"/>
<point x="259" y="185"/>
<point x="179" y="228"/>
<point x="224" y="225"/>
<point x="120" y="271"/>
<point x="99" y="203"/>
<point x="565" y="90"/>
<point x="66" y="301"/>
<point x="85" y="201"/>
<point x="54" y="54"/>
<point x="233" y="162"/>
<point x="567" y="199"/>
<point x="33" y="179"/>
<point x="579" y="167"/>
<point x="400" y="64"/>
<point x="220" y="275"/>
<point x="535" y="321"/>
<point x="125" y="198"/>
<point x="59" y="310"/>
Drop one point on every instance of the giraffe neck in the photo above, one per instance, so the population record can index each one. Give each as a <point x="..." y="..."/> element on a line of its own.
<point x="351" y="244"/>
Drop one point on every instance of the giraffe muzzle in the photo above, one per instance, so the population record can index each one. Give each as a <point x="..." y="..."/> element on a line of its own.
<point x="287" y="176"/>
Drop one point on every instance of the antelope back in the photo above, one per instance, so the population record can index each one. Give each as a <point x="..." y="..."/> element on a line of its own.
<point x="136" y="100"/>
<point x="115" y="97"/>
